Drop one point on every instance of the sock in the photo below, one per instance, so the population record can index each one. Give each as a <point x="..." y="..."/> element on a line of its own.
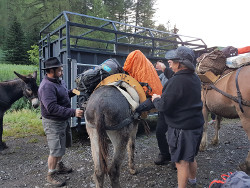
<point x="192" y="181"/>
<point x="51" y="170"/>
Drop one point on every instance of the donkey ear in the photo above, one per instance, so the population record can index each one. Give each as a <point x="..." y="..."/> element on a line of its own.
<point x="35" y="75"/>
<point x="21" y="76"/>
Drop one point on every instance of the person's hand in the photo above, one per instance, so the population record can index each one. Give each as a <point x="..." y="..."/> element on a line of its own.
<point x="154" y="96"/>
<point x="79" y="113"/>
<point x="159" y="65"/>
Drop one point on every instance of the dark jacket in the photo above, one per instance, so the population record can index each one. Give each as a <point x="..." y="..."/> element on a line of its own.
<point x="55" y="99"/>
<point x="181" y="101"/>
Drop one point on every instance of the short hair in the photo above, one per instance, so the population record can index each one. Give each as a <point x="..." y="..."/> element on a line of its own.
<point x="48" y="70"/>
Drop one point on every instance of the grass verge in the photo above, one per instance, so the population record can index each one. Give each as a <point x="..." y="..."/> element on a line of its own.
<point x="22" y="123"/>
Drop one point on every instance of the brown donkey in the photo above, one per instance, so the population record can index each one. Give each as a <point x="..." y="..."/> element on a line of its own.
<point x="225" y="100"/>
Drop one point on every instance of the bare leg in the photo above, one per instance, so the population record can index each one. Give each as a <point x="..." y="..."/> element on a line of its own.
<point x="192" y="169"/>
<point x="182" y="173"/>
<point x="52" y="161"/>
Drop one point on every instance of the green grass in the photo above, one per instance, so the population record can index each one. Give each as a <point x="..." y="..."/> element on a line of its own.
<point x="7" y="71"/>
<point x="22" y="123"/>
<point x="1" y="54"/>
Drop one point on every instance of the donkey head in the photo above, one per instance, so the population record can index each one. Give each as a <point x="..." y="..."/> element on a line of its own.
<point x="30" y="88"/>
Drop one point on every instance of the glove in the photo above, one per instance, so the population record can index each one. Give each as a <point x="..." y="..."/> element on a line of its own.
<point x="145" y="106"/>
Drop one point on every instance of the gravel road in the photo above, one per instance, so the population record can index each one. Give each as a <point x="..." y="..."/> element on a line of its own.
<point x="24" y="164"/>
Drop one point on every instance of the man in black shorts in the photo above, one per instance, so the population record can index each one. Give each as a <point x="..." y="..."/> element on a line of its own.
<point x="181" y="105"/>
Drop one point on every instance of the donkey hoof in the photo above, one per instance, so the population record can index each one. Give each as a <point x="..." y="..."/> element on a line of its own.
<point x="132" y="171"/>
<point x="215" y="142"/>
<point x="202" y="147"/>
<point x="3" y="146"/>
<point x="243" y="167"/>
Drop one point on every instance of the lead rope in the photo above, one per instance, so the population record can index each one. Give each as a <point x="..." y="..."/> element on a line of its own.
<point x="238" y="90"/>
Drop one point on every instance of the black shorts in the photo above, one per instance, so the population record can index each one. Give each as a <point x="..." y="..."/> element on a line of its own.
<point x="184" y="144"/>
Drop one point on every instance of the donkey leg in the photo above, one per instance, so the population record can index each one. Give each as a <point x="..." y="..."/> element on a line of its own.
<point x="119" y="140"/>
<point x="131" y="149"/>
<point x="245" y="122"/>
<point x="2" y="144"/>
<point x="98" y="172"/>
<point x="215" y="140"/>
<point x="203" y="144"/>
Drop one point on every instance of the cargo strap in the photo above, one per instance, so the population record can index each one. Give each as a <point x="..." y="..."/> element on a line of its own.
<point x="124" y="123"/>
<point x="238" y="99"/>
<point x="238" y="90"/>
<point x="134" y="104"/>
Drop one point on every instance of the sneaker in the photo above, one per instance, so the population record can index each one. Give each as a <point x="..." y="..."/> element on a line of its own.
<point x="162" y="160"/>
<point x="62" y="169"/>
<point x="195" y="185"/>
<point x="53" y="179"/>
<point x="211" y="122"/>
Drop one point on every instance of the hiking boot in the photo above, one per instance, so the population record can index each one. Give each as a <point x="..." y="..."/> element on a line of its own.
<point x="53" y="179"/>
<point x="195" y="185"/>
<point x="162" y="160"/>
<point x="62" y="169"/>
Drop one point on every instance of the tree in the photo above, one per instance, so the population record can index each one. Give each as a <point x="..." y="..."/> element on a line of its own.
<point x="15" y="49"/>
<point x="143" y="13"/>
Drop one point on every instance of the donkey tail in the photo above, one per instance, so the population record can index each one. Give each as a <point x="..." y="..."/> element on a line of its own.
<point x="103" y="143"/>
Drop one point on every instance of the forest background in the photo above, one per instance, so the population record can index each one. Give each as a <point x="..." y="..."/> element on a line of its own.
<point x="21" y="21"/>
<point x="20" y="24"/>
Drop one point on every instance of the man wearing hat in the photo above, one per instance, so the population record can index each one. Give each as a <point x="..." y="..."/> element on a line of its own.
<point x="56" y="111"/>
<point x="181" y="106"/>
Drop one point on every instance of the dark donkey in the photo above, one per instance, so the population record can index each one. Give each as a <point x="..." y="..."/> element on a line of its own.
<point x="108" y="115"/>
<point x="11" y="91"/>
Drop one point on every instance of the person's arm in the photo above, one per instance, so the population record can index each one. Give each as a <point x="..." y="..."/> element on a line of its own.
<point x="168" y="99"/>
<point x="160" y="66"/>
<point x="168" y="72"/>
<point x="70" y="93"/>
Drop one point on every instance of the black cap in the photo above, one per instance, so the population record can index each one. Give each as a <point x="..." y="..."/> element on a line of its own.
<point x="52" y="62"/>
<point x="183" y="55"/>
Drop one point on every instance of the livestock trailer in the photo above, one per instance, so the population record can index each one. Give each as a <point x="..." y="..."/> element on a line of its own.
<point x="82" y="42"/>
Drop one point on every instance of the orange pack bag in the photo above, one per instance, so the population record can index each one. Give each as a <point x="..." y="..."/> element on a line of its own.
<point x="244" y="50"/>
<point x="140" y="68"/>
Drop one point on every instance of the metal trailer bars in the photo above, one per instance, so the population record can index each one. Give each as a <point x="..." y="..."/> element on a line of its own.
<point x="82" y="42"/>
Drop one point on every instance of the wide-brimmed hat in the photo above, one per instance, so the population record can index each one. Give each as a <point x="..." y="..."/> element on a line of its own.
<point x="52" y="62"/>
<point x="183" y="55"/>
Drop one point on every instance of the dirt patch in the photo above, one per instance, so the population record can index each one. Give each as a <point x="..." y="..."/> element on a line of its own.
<point x="24" y="164"/>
